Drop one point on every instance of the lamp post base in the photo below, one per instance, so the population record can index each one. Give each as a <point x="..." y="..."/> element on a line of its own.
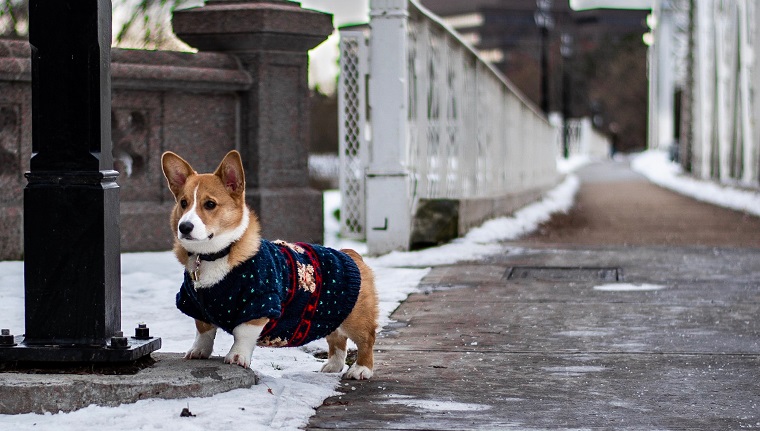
<point x="133" y="350"/>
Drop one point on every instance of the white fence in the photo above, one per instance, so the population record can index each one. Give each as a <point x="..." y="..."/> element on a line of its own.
<point x="442" y="124"/>
<point x="708" y="50"/>
<point x="583" y="139"/>
<point x="725" y="144"/>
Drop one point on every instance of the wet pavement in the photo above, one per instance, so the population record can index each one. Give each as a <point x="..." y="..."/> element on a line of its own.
<point x="557" y="333"/>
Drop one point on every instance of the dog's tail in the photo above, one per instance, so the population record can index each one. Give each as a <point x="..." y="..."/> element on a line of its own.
<point x="352" y="254"/>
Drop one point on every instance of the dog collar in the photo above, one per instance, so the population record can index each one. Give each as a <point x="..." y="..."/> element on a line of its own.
<point x="213" y="256"/>
<point x="208" y="258"/>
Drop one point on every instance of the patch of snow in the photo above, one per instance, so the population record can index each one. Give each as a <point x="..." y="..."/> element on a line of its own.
<point x="572" y="164"/>
<point x="558" y="200"/>
<point x="332" y="225"/>
<point x="575" y="370"/>
<point x="589" y="333"/>
<point x="438" y="406"/>
<point x="625" y="287"/>
<point x="483" y="240"/>
<point x="324" y="165"/>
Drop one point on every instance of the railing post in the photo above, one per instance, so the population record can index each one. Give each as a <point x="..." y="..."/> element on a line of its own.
<point x="754" y="83"/>
<point x="662" y="128"/>
<point x="71" y="201"/>
<point x="271" y="38"/>
<point x="746" y="122"/>
<point x="388" y="178"/>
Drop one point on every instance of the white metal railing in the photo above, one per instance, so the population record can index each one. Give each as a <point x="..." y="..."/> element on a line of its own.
<point x="725" y="144"/>
<point x="716" y="40"/>
<point x="583" y="139"/>
<point x="444" y="124"/>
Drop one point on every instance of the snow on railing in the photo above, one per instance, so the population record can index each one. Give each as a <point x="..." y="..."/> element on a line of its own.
<point x="444" y="125"/>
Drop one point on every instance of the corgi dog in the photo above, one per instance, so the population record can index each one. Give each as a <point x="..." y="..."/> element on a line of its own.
<point x="263" y="293"/>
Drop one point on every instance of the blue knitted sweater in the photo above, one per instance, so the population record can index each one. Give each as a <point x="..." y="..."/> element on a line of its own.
<point x="305" y="290"/>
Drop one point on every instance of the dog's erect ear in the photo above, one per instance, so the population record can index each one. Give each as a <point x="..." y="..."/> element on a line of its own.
<point x="230" y="171"/>
<point x="176" y="171"/>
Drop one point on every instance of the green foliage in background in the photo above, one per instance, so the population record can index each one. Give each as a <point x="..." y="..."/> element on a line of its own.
<point x="142" y="24"/>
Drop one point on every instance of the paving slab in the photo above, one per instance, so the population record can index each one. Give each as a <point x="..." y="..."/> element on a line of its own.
<point x="549" y="350"/>
<point x="487" y="391"/>
<point x="477" y="351"/>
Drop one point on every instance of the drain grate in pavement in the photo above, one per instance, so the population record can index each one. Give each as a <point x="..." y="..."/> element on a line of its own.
<point x="558" y="273"/>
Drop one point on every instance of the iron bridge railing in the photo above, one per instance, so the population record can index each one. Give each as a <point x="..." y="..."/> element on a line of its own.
<point x="422" y="116"/>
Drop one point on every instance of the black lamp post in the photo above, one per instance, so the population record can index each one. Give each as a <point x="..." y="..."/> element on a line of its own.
<point x="566" y="50"/>
<point x="545" y="22"/>
<point x="71" y="202"/>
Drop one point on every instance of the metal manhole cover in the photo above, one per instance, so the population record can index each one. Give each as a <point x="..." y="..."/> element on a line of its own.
<point x="555" y="273"/>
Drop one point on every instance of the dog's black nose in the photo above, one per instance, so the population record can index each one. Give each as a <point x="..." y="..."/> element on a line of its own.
<point x="186" y="227"/>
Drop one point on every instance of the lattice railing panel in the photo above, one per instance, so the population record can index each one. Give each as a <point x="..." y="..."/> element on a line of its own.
<point x="352" y="129"/>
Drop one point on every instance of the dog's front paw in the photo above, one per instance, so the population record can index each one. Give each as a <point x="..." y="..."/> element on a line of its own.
<point x="358" y="372"/>
<point x="332" y="366"/>
<point x="245" y="335"/>
<point x="203" y="345"/>
<point x="335" y="362"/>
<point x="237" y="358"/>
<point x="198" y="353"/>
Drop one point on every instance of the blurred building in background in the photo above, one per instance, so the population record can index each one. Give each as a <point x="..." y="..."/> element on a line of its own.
<point x="598" y="54"/>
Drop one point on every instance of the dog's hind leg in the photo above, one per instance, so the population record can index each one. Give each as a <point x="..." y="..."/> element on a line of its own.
<point x="204" y="341"/>
<point x="361" y="323"/>
<point x="336" y="355"/>
<point x="363" y="367"/>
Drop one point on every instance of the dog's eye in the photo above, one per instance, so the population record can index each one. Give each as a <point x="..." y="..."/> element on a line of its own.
<point x="210" y="205"/>
<point x="183" y="203"/>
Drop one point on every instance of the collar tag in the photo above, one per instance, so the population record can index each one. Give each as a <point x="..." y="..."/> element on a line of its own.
<point x="195" y="275"/>
<point x="196" y="272"/>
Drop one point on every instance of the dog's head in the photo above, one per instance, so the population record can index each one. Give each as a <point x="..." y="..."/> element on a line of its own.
<point x="210" y="213"/>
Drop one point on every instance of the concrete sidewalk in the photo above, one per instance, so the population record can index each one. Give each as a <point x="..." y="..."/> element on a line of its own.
<point x="523" y="340"/>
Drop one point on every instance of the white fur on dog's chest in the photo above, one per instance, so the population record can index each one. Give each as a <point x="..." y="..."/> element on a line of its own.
<point x="209" y="273"/>
<point x="212" y="272"/>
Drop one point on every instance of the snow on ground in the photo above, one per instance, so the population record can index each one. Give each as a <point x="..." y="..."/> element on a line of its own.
<point x="624" y="287"/>
<point x="435" y="405"/>
<point x="483" y="240"/>
<point x="151" y="280"/>
<point x="571" y="164"/>
<point x="657" y="168"/>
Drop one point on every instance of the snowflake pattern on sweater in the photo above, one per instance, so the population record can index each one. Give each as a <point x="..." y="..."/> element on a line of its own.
<point x="305" y="290"/>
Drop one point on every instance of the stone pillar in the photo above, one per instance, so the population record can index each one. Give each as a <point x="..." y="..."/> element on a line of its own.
<point x="271" y="39"/>
<point x="71" y="202"/>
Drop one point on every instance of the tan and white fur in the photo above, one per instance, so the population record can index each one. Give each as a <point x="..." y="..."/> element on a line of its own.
<point x="211" y="214"/>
